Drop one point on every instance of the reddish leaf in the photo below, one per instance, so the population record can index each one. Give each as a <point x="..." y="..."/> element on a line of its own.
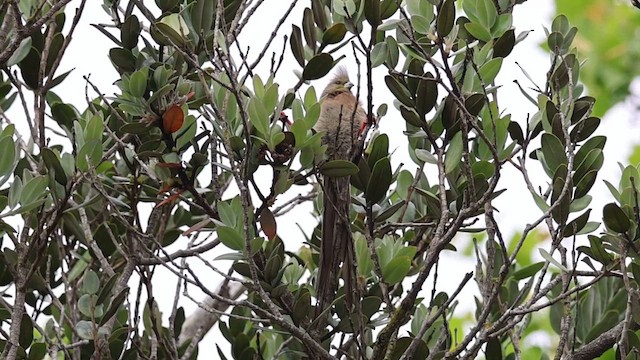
<point x="169" y="199"/>
<point x="169" y="165"/>
<point x="268" y="224"/>
<point x="172" y="119"/>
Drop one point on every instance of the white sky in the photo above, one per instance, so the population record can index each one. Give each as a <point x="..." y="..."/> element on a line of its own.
<point x="88" y="55"/>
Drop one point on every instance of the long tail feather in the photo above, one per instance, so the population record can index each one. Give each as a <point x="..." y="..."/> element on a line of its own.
<point x="336" y="247"/>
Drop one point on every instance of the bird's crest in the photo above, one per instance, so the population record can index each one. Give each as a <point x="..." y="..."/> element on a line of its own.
<point x="339" y="83"/>
<point x="341" y="76"/>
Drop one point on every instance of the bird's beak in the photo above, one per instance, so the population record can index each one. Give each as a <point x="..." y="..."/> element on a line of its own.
<point x="348" y="85"/>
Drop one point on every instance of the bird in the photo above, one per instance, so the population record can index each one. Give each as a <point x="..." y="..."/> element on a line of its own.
<point x="341" y="119"/>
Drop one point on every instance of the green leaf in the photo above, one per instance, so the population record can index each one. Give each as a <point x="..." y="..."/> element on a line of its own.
<point x="138" y="82"/>
<point x="94" y="128"/>
<point x="421" y="24"/>
<point x="318" y="66"/>
<point x="87" y="305"/>
<point x="89" y="155"/>
<point x="379" y="54"/>
<point x="8" y="158"/>
<point x="230" y="238"/>
<point x="339" y="168"/>
<point x="478" y="31"/>
<point x="597" y="250"/>
<point x="453" y="155"/>
<point x="64" y="115"/>
<point x="84" y="329"/>
<point x="259" y="116"/>
<point x="34" y="189"/>
<point x="21" y="52"/>
<point x="395" y="270"/>
<point x="203" y="15"/>
<point x="426" y="94"/>
<point x="490" y="69"/>
<point x="90" y="283"/>
<point x="528" y="271"/>
<point x="487" y="13"/>
<point x="545" y="254"/>
<point x="29" y="68"/>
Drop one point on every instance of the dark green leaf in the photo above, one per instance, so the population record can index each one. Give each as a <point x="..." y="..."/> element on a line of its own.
<point x="318" y="66"/>
<point x="426" y="94"/>
<point x="296" y="45"/>
<point x="411" y="116"/>
<point x="29" y="68"/>
<point x="339" y="168"/>
<point x="379" y="149"/>
<point x="135" y="128"/>
<point x="584" y="129"/>
<point x="504" y="45"/>
<point x="26" y="332"/>
<point x="388" y="8"/>
<point x="597" y="250"/>
<point x="554" y="153"/>
<point x="446" y="18"/>
<point x="372" y="12"/>
<point x="38" y="351"/>
<point x="615" y="219"/>
<point x="309" y="29"/>
<point x="379" y="182"/>
<point x="399" y="90"/>
<point x="302" y="307"/>
<point x="334" y="34"/>
<point x="494" y="348"/>
<point x="390" y="211"/>
<point x="585" y="184"/>
<point x="421" y="353"/>
<point x="317" y="7"/>
<point x="576" y="224"/>
<point x="123" y="59"/>
<point x="167" y="5"/>
<point x="474" y="103"/>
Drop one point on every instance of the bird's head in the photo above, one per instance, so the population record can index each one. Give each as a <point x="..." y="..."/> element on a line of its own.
<point x="339" y="83"/>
